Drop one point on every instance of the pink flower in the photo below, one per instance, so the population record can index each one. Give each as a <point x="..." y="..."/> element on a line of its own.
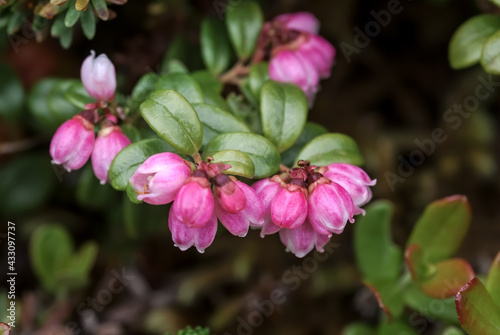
<point x="330" y="206"/>
<point x="266" y="190"/>
<point x="110" y="141"/>
<point x="251" y="215"/>
<point x="320" y="53"/>
<point x="301" y="21"/>
<point x="289" y="207"/>
<point x="291" y="67"/>
<point x="300" y="241"/>
<point x="194" y="203"/>
<point x="185" y="236"/>
<point x="160" y="177"/>
<point x="353" y="179"/>
<point x="73" y="143"/>
<point x="99" y="77"/>
<point x="229" y="197"/>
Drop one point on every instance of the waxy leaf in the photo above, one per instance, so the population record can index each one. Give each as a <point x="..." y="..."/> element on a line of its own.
<point x="72" y="16"/>
<point x="215" y="47"/>
<point x="181" y="83"/>
<point x="78" y="95"/>
<point x="11" y="94"/>
<point x="263" y="153"/>
<point x="211" y="88"/>
<point x="490" y="59"/>
<point x="467" y="43"/>
<point x="311" y="130"/>
<point x="258" y="76"/>
<point x="493" y="282"/>
<point x="477" y="312"/>
<point x="144" y="87"/>
<point x="283" y="109"/>
<point x="241" y="164"/>
<point x="215" y="121"/>
<point x="171" y="116"/>
<point x="244" y="23"/>
<point x="442" y="227"/>
<point x="442" y="309"/>
<point x="389" y="297"/>
<point x="127" y="160"/>
<point x="331" y="148"/>
<point x="88" y="21"/>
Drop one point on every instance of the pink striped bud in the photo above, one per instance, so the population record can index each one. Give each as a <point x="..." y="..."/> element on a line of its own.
<point x="353" y="179"/>
<point x="99" y="77"/>
<point x="289" y="207"/>
<point x="301" y="21"/>
<point x="110" y="141"/>
<point x="300" y="241"/>
<point x="160" y="177"/>
<point x="194" y="203"/>
<point x="330" y="206"/>
<point x="228" y="195"/>
<point x="266" y="190"/>
<point x="185" y="237"/>
<point x="72" y="143"/>
<point x="320" y="53"/>
<point x="251" y="215"/>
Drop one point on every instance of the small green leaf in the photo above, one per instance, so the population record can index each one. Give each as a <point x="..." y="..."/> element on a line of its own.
<point x="263" y="153"/>
<point x="127" y="160"/>
<point x="493" y="282"/>
<point x="78" y="95"/>
<point x="477" y="312"/>
<point x="101" y="9"/>
<point x="311" y="130"/>
<point x="72" y="16"/>
<point x="211" y="88"/>
<point x="215" y="121"/>
<point x="241" y="164"/>
<point x="490" y="59"/>
<point x="81" y="5"/>
<point x="131" y="132"/>
<point x="144" y="87"/>
<point x="331" y="148"/>
<point x="244" y="23"/>
<point x="258" y="76"/>
<point x="174" y="66"/>
<point x="283" y="110"/>
<point x="442" y="227"/>
<point x="11" y="94"/>
<point x="15" y="23"/>
<point x="171" y="116"/>
<point x="132" y="194"/>
<point x="215" y="47"/>
<point x="58" y="105"/>
<point x="389" y="297"/>
<point x="58" y="27"/>
<point x="442" y="309"/>
<point x="358" y="329"/>
<point x="66" y="37"/>
<point x="88" y="22"/>
<point x="467" y="42"/>
<point x="183" y="84"/>
<point x="396" y="328"/>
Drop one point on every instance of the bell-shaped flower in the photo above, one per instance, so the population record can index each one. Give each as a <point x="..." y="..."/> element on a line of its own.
<point x="289" y="207"/>
<point x="266" y="190"/>
<point x="300" y="241"/>
<point x="320" y="53"/>
<point x="99" y="77"/>
<point x="228" y="196"/>
<point x="185" y="236"/>
<point x="300" y="21"/>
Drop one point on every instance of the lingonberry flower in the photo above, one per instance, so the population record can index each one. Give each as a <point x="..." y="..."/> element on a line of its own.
<point x="300" y="241"/>
<point x="318" y="52"/>
<point x="72" y="143"/>
<point x="99" y="77"/>
<point x="185" y="236"/>
<point x="110" y="141"/>
<point x="289" y="207"/>
<point x="301" y="21"/>
<point x="194" y="202"/>
<point x="229" y="196"/>
<point x="266" y="190"/>
<point x="160" y="177"/>
<point x="353" y="179"/>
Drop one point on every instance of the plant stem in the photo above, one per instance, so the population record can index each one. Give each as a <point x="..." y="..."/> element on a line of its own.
<point x="197" y="158"/>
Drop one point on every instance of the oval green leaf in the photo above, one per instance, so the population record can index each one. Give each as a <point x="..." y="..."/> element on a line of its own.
<point x="241" y="164"/>
<point x="215" y="47"/>
<point x="11" y="94"/>
<point x="331" y="148"/>
<point x="77" y="95"/>
<point x="490" y="59"/>
<point x="183" y="84"/>
<point x="244" y="23"/>
<point x="311" y="130"/>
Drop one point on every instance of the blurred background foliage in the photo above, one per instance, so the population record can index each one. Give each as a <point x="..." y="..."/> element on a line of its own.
<point x="394" y="91"/>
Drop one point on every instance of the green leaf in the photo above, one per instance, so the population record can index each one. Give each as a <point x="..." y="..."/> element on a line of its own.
<point x="311" y="130"/>
<point x="244" y="23"/>
<point x="101" y="9"/>
<point x="11" y="94"/>
<point x="442" y="227"/>
<point x="258" y="76"/>
<point x="263" y="153"/>
<point x="490" y="59"/>
<point x="215" y="121"/>
<point x="51" y="249"/>
<point x="241" y="164"/>
<point x="66" y="38"/>
<point x="81" y="5"/>
<point x="215" y="47"/>
<point x="81" y="264"/>
<point x="396" y="328"/>
<point x="58" y="27"/>
<point x="127" y="160"/>
<point x="452" y="331"/>
<point x="331" y="148"/>
<point x="442" y="309"/>
<point x="283" y="109"/>
<point x="174" y="66"/>
<point x="144" y="87"/>
<point x="467" y="42"/>
<point x="477" y="312"/>
<point x="58" y="105"/>
<point x="91" y="194"/>
<point x="389" y="297"/>
<point x="171" y="116"/>
<point x="88" y="22"/>
<point x="358" y="328"/>
<point x="143" y="220"/>
<point x="211" y="88"/>
<point x="131" y="132"/>
<point x="132" y="194"/>
<point x="373" y="245"/>
<point x="181" y="83"/>
<point x="72" y="16"/>
<point x="78" y="95"/>
<point x="493" y="282"/>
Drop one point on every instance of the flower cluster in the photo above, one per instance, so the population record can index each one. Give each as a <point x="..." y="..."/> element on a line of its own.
<point x="200" y="196"/>
<point x="74" y="141"/>
<point x="298" y="54"/>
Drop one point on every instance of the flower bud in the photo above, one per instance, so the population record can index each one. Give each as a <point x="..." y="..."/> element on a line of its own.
<point x="330" y="206"/>
<point x="194" y="203"/>
<point x="252" y="215"/>
<point x="266" y="190"/>
<point x="228" y="195"/>
<point x="353" y="179"/>
<point x="301" y="21"/>
<point x="99" y="77"/>
<point x="73" y="143"/>
<point x="289" y="207"/>
<point x="291" y="67"/>
<point x="4" y="328"/>
<point x="320" y="53"/>
<point x="109" y="142"/>
<point x="185" y="237"/>
<point x="160" y="177"/>
<point x="300" y="241"/>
